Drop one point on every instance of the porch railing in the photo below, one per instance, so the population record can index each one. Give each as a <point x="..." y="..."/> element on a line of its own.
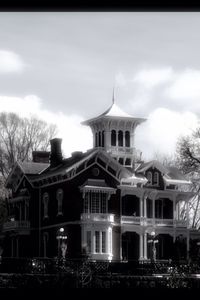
<point x="97" y="217"/>
<point x="16" y="225"/>
<point x="136" y="220"/>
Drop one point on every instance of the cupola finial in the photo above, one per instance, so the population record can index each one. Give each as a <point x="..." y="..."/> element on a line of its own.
<point x="113" y="97"/>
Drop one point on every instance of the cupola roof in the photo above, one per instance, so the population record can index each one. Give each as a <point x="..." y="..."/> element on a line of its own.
<point x="114" y="112"/>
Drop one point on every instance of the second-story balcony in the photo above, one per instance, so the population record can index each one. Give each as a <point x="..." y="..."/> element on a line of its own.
<point x="143" y="221"/>
<point x="16" y="225"/>
<point x="95" y="217"/>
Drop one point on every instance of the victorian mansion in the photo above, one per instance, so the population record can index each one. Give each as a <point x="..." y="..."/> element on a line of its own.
<point x="105" y="202"/>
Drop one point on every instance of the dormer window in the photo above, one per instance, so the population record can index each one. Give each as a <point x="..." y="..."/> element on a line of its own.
<point x="149" y="178"/>
<point x="45" y="203"/>
<point x="59" y="197"/>
<point x="156" y="178"/>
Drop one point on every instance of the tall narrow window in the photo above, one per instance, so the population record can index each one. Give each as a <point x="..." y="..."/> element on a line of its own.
<point x="45" y="204"/>
<point x="121" y="160"/>
<point x="86" y="203"/>
<point x="102" y="140"/>
<point x="59" y="197"/>
<point x="96" y="139"/>
<point x="113" y="138"/>
<point x="127" y="139"/>
<point x="45" y="241"/>
<point x="149" y="177"/>
<point x="120" y="138"/>
<point x="156" y="178"/>
<point x="97" y="244"/>
<point x="128" y="162"/>
<point x="103" y="242"/>
<point x="95" y="203"/>
<point x="99" y="138"/>
<point x="89" y="241"/>
<point x="103" y="203"/>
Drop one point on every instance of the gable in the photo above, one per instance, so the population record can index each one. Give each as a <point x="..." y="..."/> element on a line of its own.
<point x="98" y="157"/>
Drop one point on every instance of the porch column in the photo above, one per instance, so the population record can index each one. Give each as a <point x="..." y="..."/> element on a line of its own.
<point x="100" y="242"/>
<point x="107" y="139"/>
<point x="20" y="212"/>
<point x="145" y="206"/>
<point x="178" y="210"/>
<point x="153" y="214"/>
<point x="141" y="206"/>
<point x="145" y="245"/>
<point x="25" y="207"/>
<point x="17" y="247"/>
<point x="187" y="214"/>
<point x="123" y="138"/>
<point x="188" y="243"/>
<point x="174" y="207"/>
<point x="141" y="246"/>
<point x="93" y="241"/>
<point x="120" y="250"/>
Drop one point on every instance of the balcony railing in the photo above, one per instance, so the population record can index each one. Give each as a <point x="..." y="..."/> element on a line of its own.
<point x="164" y="222"/>
<point x="133" y="220"/>
<point x="95" y="217"/>
<point x="118" y="149"/>
<point x="12" y="225"/>
<point x="180" y="223"/>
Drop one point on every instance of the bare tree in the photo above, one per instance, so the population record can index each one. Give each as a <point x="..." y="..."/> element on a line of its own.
<point x="165" y="159"/>
<point x="19" y="137"/>
<point x="188" y="160"/>
<point x="184" y="161"/>
<point x="4" y="193"/>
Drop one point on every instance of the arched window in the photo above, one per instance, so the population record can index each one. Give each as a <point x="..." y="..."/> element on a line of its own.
<point x="45" y="204"/>
<point x="99" y="138"/>
<point x="120" y="138"/>
<point x="156" y="178"/>
<point x="128" y="162"/>
<point x="149" y="177"/>
<point x="113" y="138"/>
<point x="127" y="139"/>
<point x="59" y="197"/>
<point x="96" y="139"/>
<point x="102" y="141"/>
<point x="45" y="242"/>
<point x="121" y="160"/>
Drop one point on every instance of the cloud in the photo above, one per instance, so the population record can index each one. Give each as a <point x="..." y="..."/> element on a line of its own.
<point x="10" y="62"/>
<point x="153" y="77"/>
<point x="160" y="132"/>
<point x="165" y="101"/>
<point x="184" y="92"/>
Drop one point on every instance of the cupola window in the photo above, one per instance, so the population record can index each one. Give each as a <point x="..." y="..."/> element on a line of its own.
<point x="120" y="138"/>
<point x="99" y="138"/>
<point x="113" y="138"/>
<point x="127" y="139"/>
<point x="102" y="141"/>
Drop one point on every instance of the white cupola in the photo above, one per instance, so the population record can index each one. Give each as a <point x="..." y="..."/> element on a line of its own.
<point x="113" y="131"/>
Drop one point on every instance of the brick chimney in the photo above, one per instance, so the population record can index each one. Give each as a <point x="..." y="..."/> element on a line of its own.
<point x="41" y="156"/>
<point x="56" y="152"/>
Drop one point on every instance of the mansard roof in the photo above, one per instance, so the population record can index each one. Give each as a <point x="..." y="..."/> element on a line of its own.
<point x="114" y="112"/>
<point x="40" y="174"/>
<point x="33" y="168"/>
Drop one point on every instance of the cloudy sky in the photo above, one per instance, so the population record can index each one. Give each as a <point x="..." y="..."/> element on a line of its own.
<point x="62" y="66"/>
